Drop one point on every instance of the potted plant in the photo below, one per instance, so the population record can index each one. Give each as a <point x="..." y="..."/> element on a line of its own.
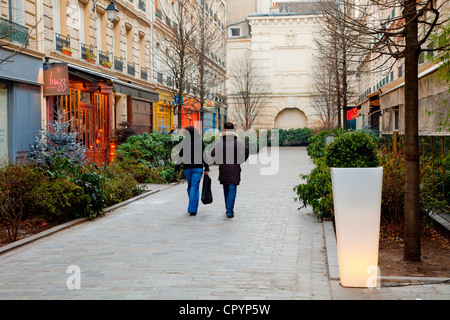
<point x="106" y="64"/>
<point x="67" y="50"/>
<point x="356" y="179"/>
<point x="90" y="55"/>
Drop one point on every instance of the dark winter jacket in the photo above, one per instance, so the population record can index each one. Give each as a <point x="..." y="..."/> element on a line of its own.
<point x="191" y="155"/>
<point x="229" y="153"/>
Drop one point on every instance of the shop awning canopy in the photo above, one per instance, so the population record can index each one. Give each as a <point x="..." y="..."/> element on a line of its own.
<point x="135" y="91"/>
<point x="87" y="74"/>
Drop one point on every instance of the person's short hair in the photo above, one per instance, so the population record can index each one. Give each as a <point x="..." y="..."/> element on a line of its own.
<point x="228" y="126"/>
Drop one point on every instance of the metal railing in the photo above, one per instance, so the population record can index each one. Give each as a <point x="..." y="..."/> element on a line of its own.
<point x="13" y="31"/>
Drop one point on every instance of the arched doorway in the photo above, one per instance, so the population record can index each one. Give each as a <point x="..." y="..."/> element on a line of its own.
<point x="291" y="118"/>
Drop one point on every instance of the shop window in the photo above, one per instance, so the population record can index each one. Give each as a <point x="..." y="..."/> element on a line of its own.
<point x="88" y="115"/>
<point x="396" y="114"/>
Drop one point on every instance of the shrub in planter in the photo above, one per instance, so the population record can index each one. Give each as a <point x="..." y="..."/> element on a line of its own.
<point x="316" y="143"/>
<point x="353" y="149"/>
<point x="316" y="191"/>
<point x="356" y="180"/>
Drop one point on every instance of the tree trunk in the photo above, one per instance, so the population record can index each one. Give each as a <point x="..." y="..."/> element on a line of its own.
<point x="412" y="175"/>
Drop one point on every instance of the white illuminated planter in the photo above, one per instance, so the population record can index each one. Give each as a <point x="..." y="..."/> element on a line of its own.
<point x="357" y="209"/>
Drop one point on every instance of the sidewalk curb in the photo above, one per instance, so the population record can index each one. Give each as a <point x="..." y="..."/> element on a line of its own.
<point x="67" y="225"/>
<point x="333" y="263"/>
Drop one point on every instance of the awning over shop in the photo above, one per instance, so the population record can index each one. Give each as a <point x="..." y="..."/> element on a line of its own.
<point x="135" y="91"/>
<point x="88" y="74"/>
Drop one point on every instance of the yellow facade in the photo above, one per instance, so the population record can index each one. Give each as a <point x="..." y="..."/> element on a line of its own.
<point x="163" y="111"/>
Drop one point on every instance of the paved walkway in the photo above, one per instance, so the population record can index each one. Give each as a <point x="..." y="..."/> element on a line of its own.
<point x="151" y="249"/>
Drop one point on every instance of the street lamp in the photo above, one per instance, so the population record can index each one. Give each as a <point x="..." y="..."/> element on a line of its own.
<point x="111" y="10"/>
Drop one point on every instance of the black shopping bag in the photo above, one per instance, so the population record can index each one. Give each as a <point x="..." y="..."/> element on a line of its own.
<point x="206" y="190"/>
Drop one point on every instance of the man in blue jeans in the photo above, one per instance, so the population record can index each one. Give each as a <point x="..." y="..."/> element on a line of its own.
<point x="229" y="153"/>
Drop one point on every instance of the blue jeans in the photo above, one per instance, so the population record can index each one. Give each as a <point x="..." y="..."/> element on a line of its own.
<point x="229" y="191"/>
<point x="193" y="177"/>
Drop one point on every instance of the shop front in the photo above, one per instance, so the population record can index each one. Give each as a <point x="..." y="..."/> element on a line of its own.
<point x="139" y="102"/>
<point x="20" y="103"/>
<point x="190" y="114"/>
<point x="85" y="99"/>
<point x="209" y="116"/>
<point x="164" y="112"/>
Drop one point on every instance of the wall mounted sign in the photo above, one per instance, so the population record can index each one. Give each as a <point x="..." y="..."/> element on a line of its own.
<point x="56" y="79"/>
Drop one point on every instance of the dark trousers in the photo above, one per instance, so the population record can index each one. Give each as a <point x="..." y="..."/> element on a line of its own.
<point x="229" y="191"/>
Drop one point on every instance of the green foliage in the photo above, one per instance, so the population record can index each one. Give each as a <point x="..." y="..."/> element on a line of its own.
<point x="356" y="149"/>
<point x="291" y="137"/>
<point x="316" y="146"/>
<point x="119" y="185"/>
<point x="295" y="137"/>
<point x="59" y="200"/>
<point x="16" y="200"/>
<point x="352" y="148"/>
<point x="148" y="157"/>
<point x="91" y="180"/>
<point x="440" y="38"/>
<point x="393" y="193"/>
<point x="316" y="192"/>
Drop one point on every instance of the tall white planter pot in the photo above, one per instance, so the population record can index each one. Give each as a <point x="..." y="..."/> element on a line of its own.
<point x="357" y="209"/>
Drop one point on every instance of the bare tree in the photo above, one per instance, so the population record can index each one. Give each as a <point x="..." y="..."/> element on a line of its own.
<point x="335" y="54"/>
<point x="208" y="46"/>
<point x="398" y="29"/>
<point x="323" y="99"/>
<point x="175" y="45"/>
<point x="249" y="90"/>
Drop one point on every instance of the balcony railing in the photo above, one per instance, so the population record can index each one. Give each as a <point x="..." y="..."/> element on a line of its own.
<point x="88" y="53"/>
<point x="159" y="77"/>
<point x="118" y="64"/>
<point x="61" y="42"/>
<point x="131" y="69"/>
<point x="144" y="74"/>
<point x="13" y="32"/>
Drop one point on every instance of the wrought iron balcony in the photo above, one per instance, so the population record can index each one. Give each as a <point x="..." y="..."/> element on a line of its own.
<point x="13" y="32"/>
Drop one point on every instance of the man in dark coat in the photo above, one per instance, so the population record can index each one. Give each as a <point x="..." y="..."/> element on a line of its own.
<point x="229" y="153"/>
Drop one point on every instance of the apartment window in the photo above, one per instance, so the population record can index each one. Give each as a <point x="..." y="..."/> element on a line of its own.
<point x="142" y="5"/>
<point x="396" y="115"/>
<point x="17" y="11"/>
<point x="235" y="32"/>
<point x="81" y="23"/>
<point x="400" y="71"/>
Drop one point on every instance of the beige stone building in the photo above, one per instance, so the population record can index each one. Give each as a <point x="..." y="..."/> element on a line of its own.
<point x="380" y="100"/>
<point x="280" y="42"/>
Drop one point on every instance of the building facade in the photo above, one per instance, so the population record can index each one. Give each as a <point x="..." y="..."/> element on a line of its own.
<point x="67" y="57"/>
<point x="280" y="43"/>
<point x="199" y="16"/>
<point x="21" y="77"/>
<point x="380" y="102"/>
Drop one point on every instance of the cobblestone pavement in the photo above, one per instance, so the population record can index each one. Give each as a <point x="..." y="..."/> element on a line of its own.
<point x="151" y="248"/>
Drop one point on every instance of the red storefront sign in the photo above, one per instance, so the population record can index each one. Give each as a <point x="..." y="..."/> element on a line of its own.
<point x="352" y="114"/>
<point x="56" y="79"/>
